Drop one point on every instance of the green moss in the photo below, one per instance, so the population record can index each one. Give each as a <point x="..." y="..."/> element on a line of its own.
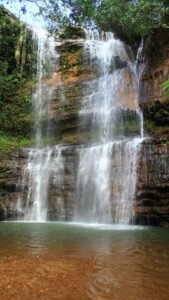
<point x="72" y="32"/>
<point x="75" y="137"/>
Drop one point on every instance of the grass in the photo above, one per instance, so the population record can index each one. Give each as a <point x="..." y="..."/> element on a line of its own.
<point x="9" y="144"/>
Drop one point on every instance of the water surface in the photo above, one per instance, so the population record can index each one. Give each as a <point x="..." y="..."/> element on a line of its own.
<point x="80" y="261"/>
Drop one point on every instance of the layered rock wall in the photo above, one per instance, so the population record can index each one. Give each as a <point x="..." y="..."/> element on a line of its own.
<point x="151" y="204"/>
<point x="152" y="197"/>
<point x="11" y="168"/>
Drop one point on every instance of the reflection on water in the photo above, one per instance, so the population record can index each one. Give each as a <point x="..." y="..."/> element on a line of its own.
<point x="129" y="262"/>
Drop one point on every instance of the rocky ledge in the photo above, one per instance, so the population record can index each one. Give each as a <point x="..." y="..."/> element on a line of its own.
<point x="151" y="204"/>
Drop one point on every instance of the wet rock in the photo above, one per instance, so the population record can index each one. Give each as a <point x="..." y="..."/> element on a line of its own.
<point x="118" y="64"/>
<point x="151" y="204"/>
<point x="153" y="66"/>
<point x="12" y="166"/>
<point x="152" y="199"/>
<point x="2" y="213"/>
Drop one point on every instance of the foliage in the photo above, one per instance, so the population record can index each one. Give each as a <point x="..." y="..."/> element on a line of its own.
<point x="128" y="18"/>
<point x="16" y="52"/>
<point x="156" y="114"/>
<point x="15" y="115"/>
<point x="165" y="86"/>
<point x="156" y="117"/>
<point x="16" y="60"/>
<point x="9" y="143"/>
<point x="132" y="19"/>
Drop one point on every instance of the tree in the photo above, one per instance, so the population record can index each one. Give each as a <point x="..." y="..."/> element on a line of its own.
<point x="125" y="17"/>
<point x="128" y="18"/>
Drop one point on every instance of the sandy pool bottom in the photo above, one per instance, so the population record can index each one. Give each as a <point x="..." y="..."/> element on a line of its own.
<point x="44" y="277"/>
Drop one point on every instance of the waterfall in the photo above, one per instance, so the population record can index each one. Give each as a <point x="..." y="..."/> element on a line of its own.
<point x="44" y="165"/>
<point x="93" y="184"/>
<point x="42" y="96"/>
<point x="38" y="170"/>
<point x="98" y="183"/>
<point x="106" y="176"/>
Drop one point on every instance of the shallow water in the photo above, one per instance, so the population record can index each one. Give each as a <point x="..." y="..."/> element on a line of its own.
<point x="80" y="261"/>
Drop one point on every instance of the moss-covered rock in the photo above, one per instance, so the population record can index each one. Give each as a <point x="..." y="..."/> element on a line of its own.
<point x="156" y="118"/>
<point x="72" y="32"/>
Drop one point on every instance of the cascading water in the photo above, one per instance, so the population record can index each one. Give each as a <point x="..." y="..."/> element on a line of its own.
<point x="38" y="171"/>
<point x="104" y="179"/>
<point x="42" y="96"/>
<point x="106" y="176"/>
<point x="39" y="159"/>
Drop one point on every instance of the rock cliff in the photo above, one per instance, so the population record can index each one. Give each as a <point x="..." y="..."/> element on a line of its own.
<point x="11" y="167"/>
<point x="152" y="204"/>
<point x="154" y="66"/>
<point x="69" y="83"/>
<point x="152" y="197"/>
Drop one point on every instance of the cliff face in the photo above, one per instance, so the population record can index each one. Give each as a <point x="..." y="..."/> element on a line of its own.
<point x="152" y="197"/>
<point x="154" y="66"/>
<point x="151" y="204"/>
<point x="69" y="83"/>
<point x="152" y="201"/>
<point x="11" y="167"/>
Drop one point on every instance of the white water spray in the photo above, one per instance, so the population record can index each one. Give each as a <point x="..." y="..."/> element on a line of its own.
<point x="39" y="159"/>
<point x="106" y="177"/>
<point x="106" y="174"/>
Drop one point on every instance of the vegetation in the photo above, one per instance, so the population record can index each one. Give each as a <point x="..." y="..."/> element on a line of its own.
<point x="156" y="118"/>
<point x="165" y="86"/>
<point x="156" y="114"/>
<point x="16" y="112"/>
<point x="128" y="18"/>
<point x="8" y="144"/>
<point x="18" y="61"/>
